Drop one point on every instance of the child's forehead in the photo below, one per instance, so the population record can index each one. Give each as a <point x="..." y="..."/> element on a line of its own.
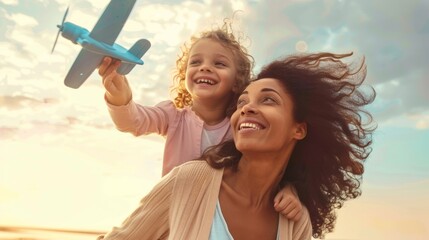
<point x="208" y="41"/>
<point x="207" y="45"/>
<point x="203" y="42"/>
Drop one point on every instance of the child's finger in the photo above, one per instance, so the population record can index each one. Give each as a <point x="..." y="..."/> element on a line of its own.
<point x="120" y="81"/>
<point x="110" y="73"/>
<point x="277" y="199"/>
<point x="108" y="65"/>
<point x="108" y="81"/>
<point x="298" y="215"/>
<point x="293" y="210"/>
<point x="287" y="205"/>
<point x="104" y="65"/>
<point x="112" y="67"/>
<point x="282" y="205"/>
<point x="293" y="215"/>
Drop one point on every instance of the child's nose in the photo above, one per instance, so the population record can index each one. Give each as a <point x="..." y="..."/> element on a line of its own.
<point x="205" y="68"/>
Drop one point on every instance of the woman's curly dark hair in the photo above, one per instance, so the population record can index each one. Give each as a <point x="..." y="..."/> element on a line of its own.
<point x="325" y="167"/>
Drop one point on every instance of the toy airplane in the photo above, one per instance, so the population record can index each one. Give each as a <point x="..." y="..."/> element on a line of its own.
<point x="100" y="42"/>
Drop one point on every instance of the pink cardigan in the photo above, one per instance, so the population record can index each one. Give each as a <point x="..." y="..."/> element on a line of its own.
<point x="182" y="205"/>
<point x="181" y="127"/>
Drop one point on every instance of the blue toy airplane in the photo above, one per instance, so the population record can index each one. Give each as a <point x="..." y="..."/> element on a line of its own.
<point x="100" y="42"/>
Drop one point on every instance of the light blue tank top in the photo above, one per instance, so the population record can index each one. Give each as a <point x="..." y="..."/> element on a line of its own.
<point x="219" y="230"/>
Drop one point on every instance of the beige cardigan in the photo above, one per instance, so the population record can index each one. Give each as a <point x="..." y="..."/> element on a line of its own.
<point x="182" y="206"/>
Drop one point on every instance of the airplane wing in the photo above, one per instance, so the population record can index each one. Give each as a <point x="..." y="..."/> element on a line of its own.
<point x="85" y="63"/>
<point x="110" y="24"/>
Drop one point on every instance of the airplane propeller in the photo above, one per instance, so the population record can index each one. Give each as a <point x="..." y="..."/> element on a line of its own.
<point x="60" y="28"/>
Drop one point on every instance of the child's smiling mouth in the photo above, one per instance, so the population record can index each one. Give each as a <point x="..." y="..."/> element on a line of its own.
<point x="205" y="81"/>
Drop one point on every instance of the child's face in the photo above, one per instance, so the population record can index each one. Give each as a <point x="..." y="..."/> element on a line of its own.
<point x="211" y="72"/>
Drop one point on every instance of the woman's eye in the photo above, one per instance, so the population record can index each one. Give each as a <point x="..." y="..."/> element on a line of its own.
<point x="240" y="103"/>
<point x="269" y="100"/>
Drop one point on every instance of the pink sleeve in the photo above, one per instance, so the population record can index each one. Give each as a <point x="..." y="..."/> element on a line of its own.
<point x="141" y="120"/>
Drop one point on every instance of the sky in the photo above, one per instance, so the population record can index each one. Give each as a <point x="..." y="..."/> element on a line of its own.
<point x="63" y="165"/>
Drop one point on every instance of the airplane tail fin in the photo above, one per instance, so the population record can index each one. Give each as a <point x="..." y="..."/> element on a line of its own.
<point x="138" y="49"/>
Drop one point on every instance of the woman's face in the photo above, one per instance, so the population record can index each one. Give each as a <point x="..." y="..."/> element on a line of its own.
<point x="263" y="121"/>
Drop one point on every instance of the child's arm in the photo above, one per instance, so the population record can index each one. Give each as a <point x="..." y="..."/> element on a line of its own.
<point x="287" y="203"/>
<point x="118" y="92"/>
<point x="127" y="115"/>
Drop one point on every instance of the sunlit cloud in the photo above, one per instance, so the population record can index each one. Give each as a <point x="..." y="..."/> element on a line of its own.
<point x="9" y="2"/>
<point x="78" y="165"/>
<point x="423" y="124"/>
<point x="418" y="121"/>
<point x="22" y="20"/>
<point x="421" y="120"/>
<point x="8" y="72"/>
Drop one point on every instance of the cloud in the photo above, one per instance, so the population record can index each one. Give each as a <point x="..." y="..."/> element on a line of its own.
<point x="9" y="2"/>
<point x="416" y="120"/>
<point x="406" y="95"/>
<point x="422" y="122"/>
<point x="22" y="20"/>
<point x="17" y="102"/>
<point x="80" y="161"/>
<point x="8" y="133"/>
<point x="394" y="47"/>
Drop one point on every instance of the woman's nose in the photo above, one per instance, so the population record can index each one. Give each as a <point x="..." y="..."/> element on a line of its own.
<point x="249" y="108"/>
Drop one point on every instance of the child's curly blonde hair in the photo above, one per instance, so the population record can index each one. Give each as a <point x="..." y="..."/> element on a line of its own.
<point x="243" y="60"/>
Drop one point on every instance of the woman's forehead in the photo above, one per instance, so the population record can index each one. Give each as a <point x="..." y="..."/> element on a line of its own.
<point x="265" y="83"/>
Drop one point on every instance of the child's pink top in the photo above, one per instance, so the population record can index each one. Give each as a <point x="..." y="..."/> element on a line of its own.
<point x="181" y="127"/>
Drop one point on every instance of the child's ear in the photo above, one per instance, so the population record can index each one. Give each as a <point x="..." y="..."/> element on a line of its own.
<point x="301" y="131"/>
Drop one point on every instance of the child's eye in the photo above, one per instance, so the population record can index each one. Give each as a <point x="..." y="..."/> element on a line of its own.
<point x="194" y="62"/>
<point x="220" y="64"/>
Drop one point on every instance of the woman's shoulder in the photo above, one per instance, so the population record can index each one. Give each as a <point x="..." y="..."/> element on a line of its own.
<point x="196" y="171"/>
<point x="195" y="166"/>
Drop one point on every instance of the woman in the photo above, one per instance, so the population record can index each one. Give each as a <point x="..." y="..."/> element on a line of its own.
<point x="298" y="122"/>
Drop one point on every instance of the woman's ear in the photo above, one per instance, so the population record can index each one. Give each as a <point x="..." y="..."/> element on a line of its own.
<point x="301" y="131"/>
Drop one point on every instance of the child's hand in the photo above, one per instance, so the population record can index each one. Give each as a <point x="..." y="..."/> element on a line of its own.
<point x="287" y="203"/>
<point x="118" y="92"/>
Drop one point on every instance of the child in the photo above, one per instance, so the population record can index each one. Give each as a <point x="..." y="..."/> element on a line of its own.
<point x="211" y="72"/>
